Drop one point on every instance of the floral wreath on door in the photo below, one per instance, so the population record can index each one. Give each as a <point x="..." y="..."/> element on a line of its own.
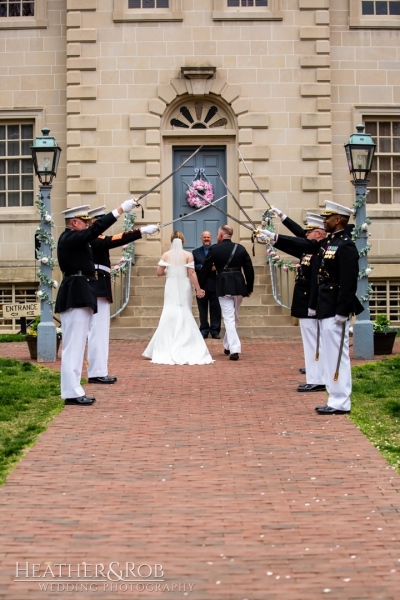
<point x="200" y="192"/>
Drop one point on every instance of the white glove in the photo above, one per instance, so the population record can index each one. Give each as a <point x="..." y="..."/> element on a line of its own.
<point x="278" y="213"/>
<point x="311" y="312"/>
<point x="128" y="205"/>
<point x="266" y="236"/>
<point x="339" y="319"/>
<point x="150" y="229"/>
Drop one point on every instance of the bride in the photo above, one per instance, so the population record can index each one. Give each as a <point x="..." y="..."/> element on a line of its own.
<point x="177" y="340"/>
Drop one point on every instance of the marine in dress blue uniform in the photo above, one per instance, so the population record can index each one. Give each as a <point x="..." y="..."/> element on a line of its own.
<point x="77" y="295"/>
<point x="99" y="330"/>
<point x="235" y="281"/>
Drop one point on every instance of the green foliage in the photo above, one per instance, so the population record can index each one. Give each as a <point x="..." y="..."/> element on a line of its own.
<point x="12" y="337"/>
<point x="382" y="324"/>
<point x="376" y="406"/>
<point x="29" y="400"/>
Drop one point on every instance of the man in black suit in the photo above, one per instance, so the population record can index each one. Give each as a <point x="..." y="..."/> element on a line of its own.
<point x="77" y="295"/>
<point x="210" y="301"/>
<point x="235" y="281"/>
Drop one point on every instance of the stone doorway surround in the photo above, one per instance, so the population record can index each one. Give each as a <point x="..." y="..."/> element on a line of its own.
<point x="243" y="129"/>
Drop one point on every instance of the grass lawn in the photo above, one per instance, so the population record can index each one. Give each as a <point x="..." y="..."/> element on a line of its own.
<point x="375" y="407"/>
<point x="29" y="400"/>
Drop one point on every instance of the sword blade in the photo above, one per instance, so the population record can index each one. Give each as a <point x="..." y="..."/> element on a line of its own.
<point x="225" y="213"/>
<point x="252" y="178"/>
<point x="240" y="208"/>
<point x="193" y="212"/>
<point x="170" y="175"/>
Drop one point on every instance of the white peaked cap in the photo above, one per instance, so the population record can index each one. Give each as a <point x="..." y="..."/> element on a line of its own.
<point x="78" y="212"/>
<point x="314" y="222"/>
<point x="332" y="208"/>
<point x="97" y="212"/>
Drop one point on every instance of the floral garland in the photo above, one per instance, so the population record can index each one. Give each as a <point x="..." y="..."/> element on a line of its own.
<point x="360" y="200"/>
<point x="200" y="193"/>
<point x="127" y="250"/>
<point x="45" y="238"/>
<point x="273" y="256"/>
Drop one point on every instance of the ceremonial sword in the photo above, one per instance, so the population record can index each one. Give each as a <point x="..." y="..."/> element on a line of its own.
<point x="240" y="208"/>
<point x="168" y="176"/>
<point x="252" y="178"/>
<point x="193" y="212"/>
<point x="336" y="375"/>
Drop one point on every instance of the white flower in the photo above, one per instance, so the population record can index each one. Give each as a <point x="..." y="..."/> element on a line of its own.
<point x="47" y="218"/>
<point x="40" y="294"/>
<point x="44" y="260"/>
<point x="368" y="271"/>
<point x="364" y="226"/>
<point x="54" y="283"/>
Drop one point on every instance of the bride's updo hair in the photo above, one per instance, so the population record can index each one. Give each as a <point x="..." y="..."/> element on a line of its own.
<point x="179" y="235"/>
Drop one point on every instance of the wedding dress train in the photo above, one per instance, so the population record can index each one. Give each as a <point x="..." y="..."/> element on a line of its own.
<point x="177" y="340"/>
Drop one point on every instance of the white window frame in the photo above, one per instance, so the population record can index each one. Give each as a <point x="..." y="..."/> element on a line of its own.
<point x="359" y="21"/>
<point x="272" y="12"/>
<point x="39" y="21"/>
<point x="122" y="13"/>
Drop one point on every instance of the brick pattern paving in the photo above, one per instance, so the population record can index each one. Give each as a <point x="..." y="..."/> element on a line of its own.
<point x="223" y="474"/>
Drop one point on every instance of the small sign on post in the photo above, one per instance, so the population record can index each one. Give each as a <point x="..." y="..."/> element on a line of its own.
<point x="16" y="311"/>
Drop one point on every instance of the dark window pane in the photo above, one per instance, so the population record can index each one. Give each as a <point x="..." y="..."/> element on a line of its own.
<point x="233" y="3"/>
<point x="384" y="145"/>
<point x="396" y="128"/>
<point x="370" y="127"/>
<point x="26" y="166"/>
<point x="26" y="148"/>
<point x="28" y="9"/>
<point x="373" y="179"/>
<point x="396" y="163"/>
<point x="384" y="180"/>
<point x="2" y="183"/>
<point x="13" y="182"/>
<point x="148" y="4"/>
<point x="384" y="163"/>
<point x="372" y="198"/>
<point x="162" y="4"/>
<point x="2" y="148"/>
<point x="2" y="167"/>
<point x="394" y="8"/>
<point x="134" y="4"/>
<point x="381" y="8"/>
<point x="384" y="128"/>
<point x="3" y="10"/>
<point x="2" y="200"/>
<point x="13" y="167"/>
<point x="27" y="132"/>
<point x="261" y="3"/>
<point x="396" y="180"/>
<point x="13" y="132"/>
<point x="396" y="144"/>
<point x="386" y="196"/>
<point x="2" y="132"/>
<point x="27" y="198"/>
<point x="27" y="182"/>
<point x="13" y="199"/>
<point x="367" y="8"/>
<point x="15" y="9"/>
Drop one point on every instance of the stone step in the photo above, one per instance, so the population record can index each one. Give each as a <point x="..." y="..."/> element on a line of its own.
<point x="277" y="313"/>
<point x="245" y="320"/>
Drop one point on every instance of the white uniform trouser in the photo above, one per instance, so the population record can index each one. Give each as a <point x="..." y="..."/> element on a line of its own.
<point x="75" y="324"/>
<point x="230" y="312"/>
<point x="314" y="368"/>
<point x="338" y="391"/>
<point x="98" y="340"/>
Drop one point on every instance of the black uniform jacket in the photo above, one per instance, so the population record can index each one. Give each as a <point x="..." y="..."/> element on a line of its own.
<point x="337" y="277"/>
<point x="210" y="284"/>
<point x="78" y="287"/>
<point x="101" y="256"/>
<point x="230" y="281"/>
<point x="306" y="277"/>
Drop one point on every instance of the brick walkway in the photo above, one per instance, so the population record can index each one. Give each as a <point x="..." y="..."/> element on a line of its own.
<point x="222" y="474"/>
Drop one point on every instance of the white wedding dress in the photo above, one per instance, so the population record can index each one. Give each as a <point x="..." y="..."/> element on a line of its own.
<point x="177" y="340"/>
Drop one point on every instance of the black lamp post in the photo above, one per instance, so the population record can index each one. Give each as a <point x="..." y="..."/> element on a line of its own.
<point x="46" y="156"/>
<point x="360" y="151"/>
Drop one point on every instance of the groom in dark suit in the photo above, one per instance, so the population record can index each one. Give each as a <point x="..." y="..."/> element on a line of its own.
<point x="235" y="281"/>
<point x="210" y="300"/>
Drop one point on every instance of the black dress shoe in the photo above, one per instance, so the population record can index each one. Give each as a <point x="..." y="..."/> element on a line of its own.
<point x="105" y="379"/>
<point x="311" y="387"/>
<point x="234" y="356"/>
<point x="302" y="370"/>
<point x="227" y="352"/>
<point x="329" y="410"/>
<point x="81" y="400"/>
<point x="216" y="336"/>
<point x="320" y="407"/>
<point x="205" y="335"/>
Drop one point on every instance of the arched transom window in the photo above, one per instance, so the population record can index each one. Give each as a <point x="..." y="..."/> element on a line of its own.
<point x="199" y="115"/>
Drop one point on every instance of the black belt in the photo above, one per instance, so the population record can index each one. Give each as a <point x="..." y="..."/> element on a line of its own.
<point x="80" y="273"/>
<point x="230" y="270"/>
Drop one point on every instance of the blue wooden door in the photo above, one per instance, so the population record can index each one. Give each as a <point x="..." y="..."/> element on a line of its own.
<point x="211" y="159"/>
